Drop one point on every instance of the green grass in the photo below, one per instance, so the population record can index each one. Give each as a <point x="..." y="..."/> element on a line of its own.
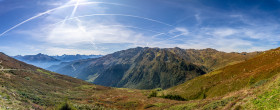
<point x="260" y="83"/>
<point x="41" y="71"/>
<point x="218" y="104"/>
<point x="130" y="104"/>
<point x="155" y="105"/>
<point x="189" y="106"/>
<point x="268" y="98"/>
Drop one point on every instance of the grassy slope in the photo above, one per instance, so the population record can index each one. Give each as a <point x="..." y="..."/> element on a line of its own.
<point x="211" y="58"/>
<point x="263" y="95"/>
<point x="31" y="87"/>
<point x="231" y="78"/>
<point x="253" y="84"/>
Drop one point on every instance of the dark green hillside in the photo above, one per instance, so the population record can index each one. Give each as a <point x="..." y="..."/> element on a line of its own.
<point x="159" y="68"/>
<point x="148" y="68"/>
<point x="141" y="68"/>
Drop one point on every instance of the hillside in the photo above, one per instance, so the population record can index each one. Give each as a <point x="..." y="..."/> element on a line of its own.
<point x="24" y="86"/>
<point x="148" y="68"/>
<point x="142" y="68"/>
<point x="253" y="72"/>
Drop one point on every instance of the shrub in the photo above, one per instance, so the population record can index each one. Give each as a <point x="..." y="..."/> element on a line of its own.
<point x="27" y="78"/>
<point x="261" y="82"/>
<point x="153" y="94"/>
<point x="66" y="106"/>
<point x="149" y="106"/>
<point x="217" y="104"/>
<point x="158" y="89"/>
<point x="174" y="97"/>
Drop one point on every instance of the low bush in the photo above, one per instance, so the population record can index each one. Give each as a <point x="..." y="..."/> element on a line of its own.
<point x="153" y="94"/>
<point x="174" y="97"/>
<point x="66" y="106"/>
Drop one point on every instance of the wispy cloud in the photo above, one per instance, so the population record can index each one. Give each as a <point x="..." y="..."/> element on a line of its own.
<point x="223" y="32"/>
<point x="97" y="28"/>
<point x="69" y="4"/>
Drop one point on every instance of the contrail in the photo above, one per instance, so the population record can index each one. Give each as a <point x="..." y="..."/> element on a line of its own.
<point x="40" y="14"/>
<point x="75" y="8"/>
<point x="66" y="19"/>
<point x="134" y="16"/>
<point x="168" y="38"/>
<point x="158" y="35"/>
<point x="51" y="10"/>
<point x="89" y="15"/>
<point x="136" y="28"/>
<point x="174" y="36"/>
<point x="93" y="44"/>
<point x="63" y="22"/>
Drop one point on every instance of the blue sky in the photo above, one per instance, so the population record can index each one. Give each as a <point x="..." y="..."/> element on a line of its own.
<point x="58" y="27"/>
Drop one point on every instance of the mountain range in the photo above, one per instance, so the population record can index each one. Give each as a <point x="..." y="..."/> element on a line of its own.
<point x="45" y="61"/>
<point x="149" y="68"/>
<point x="243" y="81"/>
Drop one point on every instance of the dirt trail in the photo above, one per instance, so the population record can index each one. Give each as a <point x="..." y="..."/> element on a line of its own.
<point x="2" y="68"/>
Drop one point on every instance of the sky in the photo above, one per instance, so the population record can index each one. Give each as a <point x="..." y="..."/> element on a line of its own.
<point x="57" y="27"/>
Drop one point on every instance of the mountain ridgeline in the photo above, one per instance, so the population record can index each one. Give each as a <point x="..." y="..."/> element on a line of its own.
<point x="148" y="68"/>
<point x="45" y="61"/>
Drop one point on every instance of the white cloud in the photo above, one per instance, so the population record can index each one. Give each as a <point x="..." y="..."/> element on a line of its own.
<point x="180" y="30"/>
<point x="223" y="32"/>
<point x="71" y="36"/>
<point x="75" y="33"/>
<point x="198" y="19"/>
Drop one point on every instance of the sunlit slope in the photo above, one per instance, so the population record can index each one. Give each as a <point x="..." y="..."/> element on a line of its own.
<point x="265" y="97"/>
<point x="231" y="78"/>
<point x="211" y="58"/>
